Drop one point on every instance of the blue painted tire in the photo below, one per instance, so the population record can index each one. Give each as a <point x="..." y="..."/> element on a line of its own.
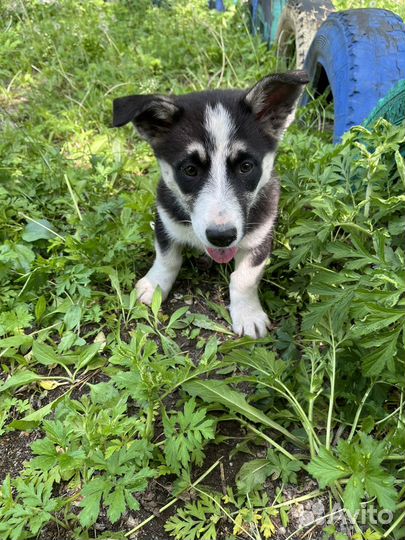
<point x="360" y="54"/>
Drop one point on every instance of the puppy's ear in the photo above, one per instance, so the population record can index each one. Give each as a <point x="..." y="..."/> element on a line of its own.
<point x="273" y="100"/>
<point x="152" y="115"/>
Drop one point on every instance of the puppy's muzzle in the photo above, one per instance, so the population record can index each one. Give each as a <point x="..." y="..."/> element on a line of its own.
<point x="221" y="236"/>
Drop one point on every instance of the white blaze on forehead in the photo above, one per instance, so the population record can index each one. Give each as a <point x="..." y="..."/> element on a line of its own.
<point x="217" y="203"/>
<point x="219" y="125"/>
<point x="220" y="128"/>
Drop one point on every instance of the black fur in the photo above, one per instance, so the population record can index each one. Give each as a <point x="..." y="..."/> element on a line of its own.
<point x="162" y="235"/>
<point x="171" y="123"/>
<point x="167" y="199"/>
<point x="265" y="206"/>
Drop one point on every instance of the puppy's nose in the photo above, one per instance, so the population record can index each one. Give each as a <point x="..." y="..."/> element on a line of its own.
<point x="221" y="236"/>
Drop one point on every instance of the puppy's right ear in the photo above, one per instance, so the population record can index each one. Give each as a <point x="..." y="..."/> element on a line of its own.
<point x="152" y="115"/>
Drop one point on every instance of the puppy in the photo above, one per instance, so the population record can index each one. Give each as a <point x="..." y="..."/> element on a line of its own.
<point x="217" y="193"/>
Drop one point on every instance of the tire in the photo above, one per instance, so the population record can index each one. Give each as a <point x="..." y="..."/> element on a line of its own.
<point x="360" y="55"/>
<point x="391" y="107"/>
<point x="266" y="17"/>
<point x="297" y="27"/>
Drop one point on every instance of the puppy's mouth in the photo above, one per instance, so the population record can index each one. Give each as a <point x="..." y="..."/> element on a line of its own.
<point x="222" y="255"/>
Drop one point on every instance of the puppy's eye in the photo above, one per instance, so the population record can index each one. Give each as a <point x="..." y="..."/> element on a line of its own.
<point x="246" y="166"/>
<point x="190" y="170"/>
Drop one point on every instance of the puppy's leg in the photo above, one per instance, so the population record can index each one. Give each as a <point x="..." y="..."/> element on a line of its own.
<point x="165" y="268"/>
<point x="248" y="317"/>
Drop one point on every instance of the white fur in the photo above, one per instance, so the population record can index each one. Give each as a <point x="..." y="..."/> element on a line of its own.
<point x="199" y="148"/>
<point x="168" y="178"/>
<point x="236" y="147"/>
<point x="267" y="169"/>
<point x="182" y="233"/>
<point x="163" y="273"/>
<point x="248" y="317"/>
<point x="217" y="204"/>
<point x="258" y="235"/>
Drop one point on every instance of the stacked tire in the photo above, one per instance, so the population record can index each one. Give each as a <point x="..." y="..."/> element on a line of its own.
<point x="360" y="55"/>
<point x="299" y="22"/>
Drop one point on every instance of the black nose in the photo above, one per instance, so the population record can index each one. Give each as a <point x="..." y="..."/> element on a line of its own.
<point x="221" y="237"/>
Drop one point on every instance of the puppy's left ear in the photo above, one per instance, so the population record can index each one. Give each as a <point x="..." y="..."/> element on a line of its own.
<point x="273" y="100"/>
<point x="153" y="115"/>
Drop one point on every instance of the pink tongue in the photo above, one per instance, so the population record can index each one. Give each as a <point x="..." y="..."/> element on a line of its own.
<point x="222" y="255"/>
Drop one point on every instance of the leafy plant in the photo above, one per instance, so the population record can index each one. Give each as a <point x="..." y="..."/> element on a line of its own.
<point x="185" y="435"/>
<point x="116" y="486"/>
<point x="197" y="520"/>
<point x="254" y="473"/>
<point x="28" y="510"/>
<point x="361" y="464"/>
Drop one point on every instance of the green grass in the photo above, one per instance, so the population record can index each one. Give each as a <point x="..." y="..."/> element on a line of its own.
<point x="115" y="397"/>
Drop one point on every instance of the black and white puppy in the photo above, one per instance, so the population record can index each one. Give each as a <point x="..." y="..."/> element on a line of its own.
<point x="216" y="152"/>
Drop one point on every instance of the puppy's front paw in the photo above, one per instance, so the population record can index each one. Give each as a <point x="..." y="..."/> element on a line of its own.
<point x="249" y="321"/>
<point x="145" y="289"/>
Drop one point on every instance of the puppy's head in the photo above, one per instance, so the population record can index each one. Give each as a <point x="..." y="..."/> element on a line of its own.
<point x="216" y="150"/>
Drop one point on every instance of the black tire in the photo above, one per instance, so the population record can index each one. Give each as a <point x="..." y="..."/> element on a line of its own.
<point x="359" y="54"/>
<point x="298" y="25"/>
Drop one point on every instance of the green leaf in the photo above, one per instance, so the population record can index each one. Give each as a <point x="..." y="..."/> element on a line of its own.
<point x="375" y="362"/>
<point x="186" y="433"/>
<point x="115" y="501"/>
<point x="326" y="468"/>
<point x="202" y="321"/>
<point x="87" y="355"/>
<point x="21" y="378"/>
<point x="15" y="341"/>
<point x="44" y="354"/>
<point x="177" y="315"/>
<point x="40" y="308"/>
<point x="92" y="493"/>
<point x="221" y="311"/>
<point x="41" y="229"/>
<point x="353" y="493"/>
<point x="252" y="475"/>
<point x="282" y="466"/>
<point x="31" y="421"/>
<point x="15" y="320"/>
<point x="156" y="301"/>
<point x="72" y="317"/>
<point x="216" y="391"/>
<point x="377" y="321"/>
<point x="399" y="160"/>
<point x="381" y="485"/>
